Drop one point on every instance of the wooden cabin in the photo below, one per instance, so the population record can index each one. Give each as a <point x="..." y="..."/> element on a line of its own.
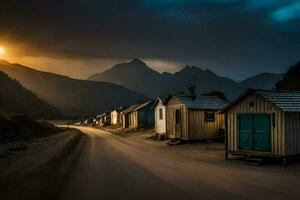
<point x="127" y="121"/>
<point x="106" y="120"/>
<point x="160" y="116"/>
<point x="142" y="116"/>
<point x="115" y="116"/>
<point x="264" y="123"/>
<point x="194" y="118"/>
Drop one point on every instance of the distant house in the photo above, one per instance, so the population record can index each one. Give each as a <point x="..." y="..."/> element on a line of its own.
<point x="264" y="123"/>
<point x="105" y="119"/>
<point x="127" y="120"/>
<point x="160" y="116"/>
<point x="115" y="116"/>
<point x="194" y="118"/>
<point x="139" y="116"/>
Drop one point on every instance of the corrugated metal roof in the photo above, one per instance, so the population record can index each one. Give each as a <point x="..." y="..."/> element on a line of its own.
<point x="142" y="106"/>
<point x="203" y="102"/>
<point x="130" y="108"/>
<point x="286" y="100"/>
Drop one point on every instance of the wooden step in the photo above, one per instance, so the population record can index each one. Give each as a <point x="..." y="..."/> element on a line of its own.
<point x="253" y="161"/>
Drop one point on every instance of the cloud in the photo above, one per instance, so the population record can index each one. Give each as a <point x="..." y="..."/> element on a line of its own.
<point x="239" y="35"/>
<point x="287" y="13"/>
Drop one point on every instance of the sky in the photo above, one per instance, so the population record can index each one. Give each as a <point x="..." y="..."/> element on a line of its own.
<point x="234" y="38"/>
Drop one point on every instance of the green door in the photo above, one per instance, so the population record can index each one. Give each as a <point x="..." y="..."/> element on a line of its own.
<point x="254" y="132"/>
<point x="262" y="131"/>
<point x="245" y="132"/>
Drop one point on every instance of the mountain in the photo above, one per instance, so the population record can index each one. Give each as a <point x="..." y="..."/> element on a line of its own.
<point x="262" y="81"/>
<point x="72" y="96"/>
<point x="205" y="81"/>
<point x="15" y="99"/>
<point x="137" y="76"/>
<point x="290" y="80"/>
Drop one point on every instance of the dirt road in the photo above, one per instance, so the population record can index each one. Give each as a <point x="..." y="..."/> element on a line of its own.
<point x="112" y="167"/>
<point x="39" y="169"/>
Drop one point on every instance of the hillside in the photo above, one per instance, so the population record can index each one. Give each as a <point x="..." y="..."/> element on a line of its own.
<point x="137" y="76"/>
<point x="15" y="99"/>
<point x="291" y="79"/>
<point x="262" y="81"/>
<point x="72" y="96"/>
<point x="20" y="128"/>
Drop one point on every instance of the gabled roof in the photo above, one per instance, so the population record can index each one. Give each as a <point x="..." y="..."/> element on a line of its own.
<point x="162" y="99"/>
<point x="130" y="108"/>
<point x="288" y="101"/>
<point x="141" y="106"/>
<point x="202" y="102"/>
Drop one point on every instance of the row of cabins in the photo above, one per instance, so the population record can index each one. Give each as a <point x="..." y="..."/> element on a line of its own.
<point x="135" y="116"/>
<point x="259" y="122"/>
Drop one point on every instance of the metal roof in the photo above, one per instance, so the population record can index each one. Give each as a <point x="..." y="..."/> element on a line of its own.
<point x="130" y="108"/>
<point x="142" y="106"/>
<point x="286" y="100"/>
<point x="203" y="102"/>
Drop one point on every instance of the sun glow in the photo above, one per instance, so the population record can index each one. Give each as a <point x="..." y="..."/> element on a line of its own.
<point x="2" y="51"/>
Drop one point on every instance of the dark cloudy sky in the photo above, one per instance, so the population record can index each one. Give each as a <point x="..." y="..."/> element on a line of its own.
<point x="235" y="38"/>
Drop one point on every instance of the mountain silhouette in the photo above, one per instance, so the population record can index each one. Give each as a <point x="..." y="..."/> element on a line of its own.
<point x="72" y="96"/>
<point x="137" y="76"/>
<point x="15" y="99"/>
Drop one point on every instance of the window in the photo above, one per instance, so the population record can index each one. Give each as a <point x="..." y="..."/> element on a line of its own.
<point x="210" y="116"/>
<point x="177" y="116"/>
<point x="161" y="114"/>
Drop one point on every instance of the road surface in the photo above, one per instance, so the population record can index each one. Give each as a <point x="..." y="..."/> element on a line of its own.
<point x="112" y="167"/>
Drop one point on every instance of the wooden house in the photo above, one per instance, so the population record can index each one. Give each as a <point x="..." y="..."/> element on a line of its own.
<point x="264" y="123"/>
<point x="160" y="116"/>
<point x="115" y="116"/>
<point x="106" y="120"/>
<point x="142" y="116"/>
<point x="194" y="118"/>
<point x="138" y="116"/>
<point x="127" y="121"/>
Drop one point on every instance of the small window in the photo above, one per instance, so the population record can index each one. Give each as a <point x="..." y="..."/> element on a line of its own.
<point x="177" y="116"/>
<point x="210" y="116"/>
<point x="161" y="114"/>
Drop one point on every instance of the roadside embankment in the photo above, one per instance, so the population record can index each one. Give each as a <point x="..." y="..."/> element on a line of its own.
<point x="40" y="170"/>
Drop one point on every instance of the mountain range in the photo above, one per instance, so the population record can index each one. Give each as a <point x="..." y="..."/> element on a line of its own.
<point x="15" y="99"/>
<point x="123" y="84"/>
<point x="137" y="76"/>
<point x="71" y="96"/>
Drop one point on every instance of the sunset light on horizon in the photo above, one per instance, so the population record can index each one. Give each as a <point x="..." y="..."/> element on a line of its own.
<point x="2" y="51"/>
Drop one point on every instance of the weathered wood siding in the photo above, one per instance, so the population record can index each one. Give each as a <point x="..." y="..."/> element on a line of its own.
<point x="199" y="128"/>
<point x="160" y="124"/>
<point x="125" y="121"/>
<point x="132" y="120"/>
<point x="292" y="132"/>
<point x="171" y="106"/>
<point x="260" y="106"/>
<point x="114" y="117"/>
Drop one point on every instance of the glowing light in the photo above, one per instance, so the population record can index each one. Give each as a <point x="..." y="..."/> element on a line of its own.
<point x="2" y="51"/>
